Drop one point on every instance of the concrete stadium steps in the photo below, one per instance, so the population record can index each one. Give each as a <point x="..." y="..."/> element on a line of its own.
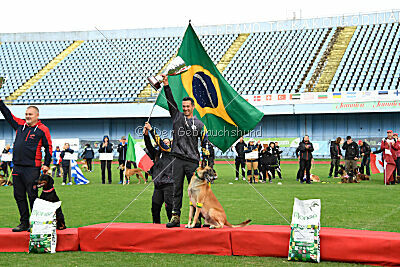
<point x="231" y="52"/>
<point x="334" y="58"/>
<point x="43" y="71"/>
<point x="314" y="58"/>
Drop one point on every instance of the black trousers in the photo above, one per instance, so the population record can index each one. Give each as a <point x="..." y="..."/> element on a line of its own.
<point x="278" y="171"/>
<point x="305" y="165"/>
<point x="89" y="164"/>
<point x="180" y="169"/>
<point x="121" y="172"/>
<point x="104" y="164"/>
<point x="66" y="173"/>
<point x="240" y="164"/>
<point x="4" y="166"/>
<point x="271" y="172"/>
<point x="56" y="171"/>
<point x="334" y="166"/>
<point x="162" y="194"/>
<point x="23" y="182"/>
<point x="365" y="163"/>
<point x="396" y="173"/>
<point x="262" y="169"/>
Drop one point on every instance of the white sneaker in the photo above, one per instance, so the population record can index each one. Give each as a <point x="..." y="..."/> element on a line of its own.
<point x="63" y="184"/>
<point x="236" y="179"/>
<point x="244" y="179"/>
<point x="69" y="183"/>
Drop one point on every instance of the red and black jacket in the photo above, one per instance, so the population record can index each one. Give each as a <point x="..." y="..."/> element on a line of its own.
<point x="29" y="141"/>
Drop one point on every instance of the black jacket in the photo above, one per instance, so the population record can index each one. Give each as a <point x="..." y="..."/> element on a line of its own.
<point x="240" y="148"/>
<point x="335" y="150"/>
<point x="186" y="132"/>
<point x="88" y="153"/>
<point x="306" y="153"/>
<point x="28" y="141"/>
<point x="352" y="150"/>
<point x="268" y="157"/>
<point x="65" y="163"/>
<point x="108" y="148"/>
<point x="366" y="149"/>
<point x="162" y="158"/>
<point x="122" y="151"/>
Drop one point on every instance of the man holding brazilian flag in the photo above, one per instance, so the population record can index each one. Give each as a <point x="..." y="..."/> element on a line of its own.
<point x="226" y="114"/>
<point x="207" y="101"/>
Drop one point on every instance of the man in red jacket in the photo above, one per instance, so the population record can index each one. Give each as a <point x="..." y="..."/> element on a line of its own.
<point x="389" y="146"/>
<point x="30" y="136"/>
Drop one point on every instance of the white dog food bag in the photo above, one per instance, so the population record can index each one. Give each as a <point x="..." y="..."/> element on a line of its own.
<point x="43" y="237"/>
<point x="304" y="235"/>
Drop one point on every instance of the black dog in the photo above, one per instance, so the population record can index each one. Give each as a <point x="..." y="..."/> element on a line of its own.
<point x="49" y="194"/>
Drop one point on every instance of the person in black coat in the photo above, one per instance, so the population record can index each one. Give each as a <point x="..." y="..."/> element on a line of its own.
<point x="336" y="155"/>
<point x="305" y="148"/>
<point x="65" y="164"/>
<point x="278" y="155"/>
<point x="351" y="155"/>
<point x="106" y="147"/>
<point x="88" y="155"/>
<point x="365" y="152"/>
<point x="240" y="162"/>
<point x="122" y="148"/>
<point x="268" y="160"/>
<point x="161" y="172"/>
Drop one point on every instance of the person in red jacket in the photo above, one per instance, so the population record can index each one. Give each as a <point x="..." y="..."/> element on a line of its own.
<point x="397" y="178"/>
<point x="389" y="146"/>
<point x="30" y="136"/>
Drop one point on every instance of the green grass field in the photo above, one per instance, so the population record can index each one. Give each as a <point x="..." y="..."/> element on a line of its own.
<point x="369" y="205"/>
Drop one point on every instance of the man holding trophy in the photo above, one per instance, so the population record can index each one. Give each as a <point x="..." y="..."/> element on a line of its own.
<point x="187" y="129"/>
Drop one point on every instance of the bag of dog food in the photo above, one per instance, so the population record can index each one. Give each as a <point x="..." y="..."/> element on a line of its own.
<point x="304" y="235"/>
<point x="43" y="237"/>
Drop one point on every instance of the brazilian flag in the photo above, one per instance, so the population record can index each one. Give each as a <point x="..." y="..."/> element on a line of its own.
<point x="226" y="114"/>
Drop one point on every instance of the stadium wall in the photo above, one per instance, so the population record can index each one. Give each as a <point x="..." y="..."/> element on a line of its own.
<point x="320" y="127"/>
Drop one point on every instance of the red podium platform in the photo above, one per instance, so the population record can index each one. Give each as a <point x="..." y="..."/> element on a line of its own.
<point x="155" y="238"/>
<point x="67" y="240"/>
<point x="346" y="245"/>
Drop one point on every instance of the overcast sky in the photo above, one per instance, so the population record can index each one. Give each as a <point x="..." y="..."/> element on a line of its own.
<point x="80" y="15"/>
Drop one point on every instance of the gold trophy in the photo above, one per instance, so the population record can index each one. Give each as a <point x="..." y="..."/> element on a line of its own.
<point x="176" y="67"/>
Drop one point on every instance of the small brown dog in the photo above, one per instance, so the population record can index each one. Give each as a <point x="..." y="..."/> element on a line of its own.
<point x="360" y="176"/>
<point x="201" y="195"/>
<point x="84" y="165"/>
<point x="346" y="178"/>
<point x="131" y="172"/>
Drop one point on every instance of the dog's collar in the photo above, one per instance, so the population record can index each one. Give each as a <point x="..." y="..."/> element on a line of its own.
<point x="48" y="191"/>
<point x="197" y="175"/>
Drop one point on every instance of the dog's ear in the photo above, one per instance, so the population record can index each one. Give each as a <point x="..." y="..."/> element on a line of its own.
<point x="203" y="164"/>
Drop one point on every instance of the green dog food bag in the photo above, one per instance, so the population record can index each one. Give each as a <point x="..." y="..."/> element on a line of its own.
<point x="304" y="244"/>
<point x="43" y="237"/>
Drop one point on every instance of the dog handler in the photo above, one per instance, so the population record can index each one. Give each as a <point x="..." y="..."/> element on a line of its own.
<point x="187" y="130"/>
<point x="31" y="135"/>
<point x="161" y="172"/>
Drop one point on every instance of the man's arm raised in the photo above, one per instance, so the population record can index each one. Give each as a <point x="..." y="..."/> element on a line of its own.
<point x="172" y="106"/>
<point x="9" y="117"/>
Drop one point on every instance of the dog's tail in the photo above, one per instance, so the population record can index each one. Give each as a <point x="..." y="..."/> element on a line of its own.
<point x="243" y="224"/>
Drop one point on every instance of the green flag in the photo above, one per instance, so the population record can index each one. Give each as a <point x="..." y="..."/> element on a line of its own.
<point x="130" y="150"/>
<point x="226" y="114"/>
